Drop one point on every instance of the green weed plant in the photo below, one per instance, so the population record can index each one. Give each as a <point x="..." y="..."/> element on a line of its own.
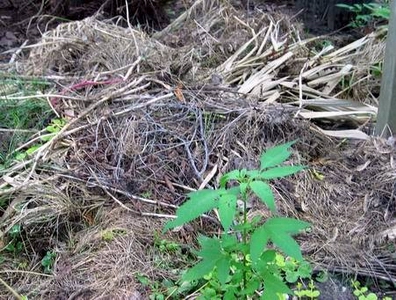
<point x="241" y="262"/>
<point x="368" y="13"/>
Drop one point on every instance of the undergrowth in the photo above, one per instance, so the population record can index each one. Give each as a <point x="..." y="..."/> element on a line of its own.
<point x="242" y="261"/>
<point x="22" y="114"/>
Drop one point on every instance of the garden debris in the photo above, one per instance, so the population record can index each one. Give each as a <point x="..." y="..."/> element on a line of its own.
<point x="150" y="118"/>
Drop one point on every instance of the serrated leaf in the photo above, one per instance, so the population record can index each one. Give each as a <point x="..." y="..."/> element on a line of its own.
<point x="287" y="244"/>
<point x="277" y="230"/>
<point x="235" y="190"/>
<point x="227" y="208"/>
<point x="223" y="269"/>
<point x="264" y="192"/>
<point x="258" y="241"/>
<point x="199" y="203"/>
<point x="243" y="186"/>
<point x="252" y="286"/>
<point x="211" y="248"/>
<point x="272" y="286"/>
<point x="287" y="225"/>
<point x="232" y="175"/>
<point x="305" y="270"/>
<point x="228" y="241"/>
<point x="211" y="253"/>
<point x="201" y="269"/>
<point x="230" y="294"/>
<point x="253" y="174"/>
<point x="268" y="256"/>
<point x="279" y="172"/>
<point x="275" y="155"/>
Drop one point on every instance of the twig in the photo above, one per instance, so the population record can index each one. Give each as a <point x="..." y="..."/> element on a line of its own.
<point x="158" y="215"/>
<point x="18" y="130"/>
<point x="61" y="134"/>
<point x="16" y="295"/>
<point x="25" y="272"/>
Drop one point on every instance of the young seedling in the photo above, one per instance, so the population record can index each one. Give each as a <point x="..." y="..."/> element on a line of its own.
<point x="238" y="268"/>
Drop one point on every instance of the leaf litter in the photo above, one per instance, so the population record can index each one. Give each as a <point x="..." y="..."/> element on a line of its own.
<point x="151" y="118"/>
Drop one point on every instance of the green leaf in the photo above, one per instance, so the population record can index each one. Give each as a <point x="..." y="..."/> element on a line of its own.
<point x="201" y="269"/>
<point x="305" y="270"/>
<point x="227" y="209"/>
<point x="258" y="241"/>
<point x="20" y="156"/>
<point x="287" y="244"/>
<point x="287" y="225"/>
<point x="232" y="175"/>
<point x="211" y="253"/>
<point x="371" y="296"/>
<point x="316" y="294"/>
<point x="229" y="294"/>
<point x="278" y="230"/>
<point x="228" y="241"/>
<point x="273" y="286"/>
<point x="253" y="174"/>
<point x="280" y="172"/>
<point x="211" y="248"/>
<point x="32" y="149"/>
<point x="269" y="256"/>
<point x="291" y="276"/>
<point x="275" y="156"/>
<point x="223" y="269"/>
<point x="322" y="276"/>
<point x="47" y="137"/>
<point x="252" y="286"/>
<point x="51" y="128"/>
<point x="346" y="6"/>
<point x="199" y="203"/>
<point x="264" y="192"/>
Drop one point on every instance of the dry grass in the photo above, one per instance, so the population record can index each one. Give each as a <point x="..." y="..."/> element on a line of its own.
<point x="149" y="119"/>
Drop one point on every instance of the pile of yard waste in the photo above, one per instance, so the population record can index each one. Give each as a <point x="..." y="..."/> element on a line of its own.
<point x="148" y="118"/>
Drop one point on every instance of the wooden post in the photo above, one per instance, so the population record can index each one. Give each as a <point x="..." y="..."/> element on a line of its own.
<point x="387" y="105"/>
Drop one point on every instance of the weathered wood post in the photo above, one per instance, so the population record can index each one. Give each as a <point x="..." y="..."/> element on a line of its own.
<point x="386" y="116"/>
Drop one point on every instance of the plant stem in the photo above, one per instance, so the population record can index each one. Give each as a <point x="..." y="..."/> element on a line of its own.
<point x="13" y="292"/>
<point x="244" y="238"/>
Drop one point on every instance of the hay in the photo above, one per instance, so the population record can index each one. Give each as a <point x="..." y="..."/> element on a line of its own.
<point x="149" y="122"/>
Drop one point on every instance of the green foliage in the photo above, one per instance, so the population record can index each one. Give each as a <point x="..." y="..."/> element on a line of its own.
<point x="165" y="289"/>
<point x="363" y="293"/>
<point x="310" y="293"/>
<point x="52" y="129"/>
<point x="48" y="261"/>
<point x="236" y="268"/>
<point x="21" y="114"/>
<point x="15" y="244"/>
<point x="368" y="13"/>
<point x="109" y="235"/>
<point x="167" y="246"/>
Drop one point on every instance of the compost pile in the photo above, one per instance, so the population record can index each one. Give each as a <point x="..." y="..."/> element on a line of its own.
<point x="151" y="118"/>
